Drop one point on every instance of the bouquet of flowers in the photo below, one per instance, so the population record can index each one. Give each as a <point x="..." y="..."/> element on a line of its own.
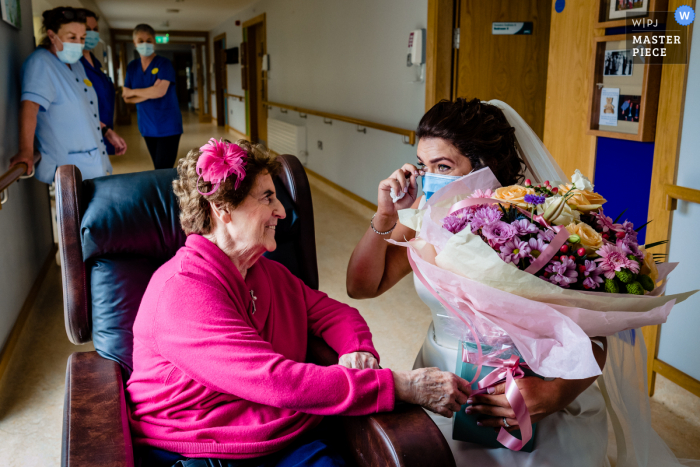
<point x="530" y="274"/>
<point x="560" y="234"/>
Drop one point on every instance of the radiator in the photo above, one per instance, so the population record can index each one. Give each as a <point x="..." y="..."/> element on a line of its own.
<point x="285" y="138"/>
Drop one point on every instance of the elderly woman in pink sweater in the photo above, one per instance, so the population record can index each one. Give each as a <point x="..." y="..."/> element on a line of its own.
<point x="221" y="334"/>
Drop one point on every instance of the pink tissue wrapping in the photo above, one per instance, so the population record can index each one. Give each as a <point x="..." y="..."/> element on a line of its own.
<point x="551" y="332"/>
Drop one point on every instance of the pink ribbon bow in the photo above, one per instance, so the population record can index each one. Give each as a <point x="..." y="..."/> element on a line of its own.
<point x="509" y="370"/>
<point x="220" y="159"/>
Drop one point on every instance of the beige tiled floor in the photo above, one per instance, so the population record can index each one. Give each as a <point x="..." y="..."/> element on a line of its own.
<point x="31" y="392"/>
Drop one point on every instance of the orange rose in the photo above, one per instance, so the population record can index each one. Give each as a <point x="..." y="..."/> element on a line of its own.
<point x="590" y="239"/>
<point x="582" y="200"/>
<point x="514" y="194"/>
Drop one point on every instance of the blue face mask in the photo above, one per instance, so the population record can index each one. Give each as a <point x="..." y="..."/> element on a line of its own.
<point x="433" y="182"/>
<point x="92" y="38"/>
<point x="71" y="52"/>
<point x="145" y="49"/>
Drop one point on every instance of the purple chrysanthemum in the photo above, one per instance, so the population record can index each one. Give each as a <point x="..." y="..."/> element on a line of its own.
<point x="498" y="233"/>
<point x="630" y="233"/>
<point x="458" y="220"/>
<point x="537" y="246"/>
<point x="629" y="247"/>
<point x="485" y="215"/>
<point x="514" y="250"/>
<point x="454" y="224"/>
<point x="591" y="272"/>
<point x="524" y="227"/>
<point x="534" y="199"/>
<point x="562" y="273"/>
<point x="614" y="258"/>
<point x="546" y="235"/>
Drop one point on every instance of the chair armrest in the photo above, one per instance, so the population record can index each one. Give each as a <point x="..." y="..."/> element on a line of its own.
<point x="69" y="210"/>
<point x="404" y="437"/>
<point x="95" y="421"/>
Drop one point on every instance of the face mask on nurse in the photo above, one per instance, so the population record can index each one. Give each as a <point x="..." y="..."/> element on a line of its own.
<point x="145" y="49"/>
<point x="71" y="52"/>
<point x="92" y="38"/>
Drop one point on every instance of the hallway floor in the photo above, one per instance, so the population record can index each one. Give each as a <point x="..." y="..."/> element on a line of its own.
<point x="31" y="391"/>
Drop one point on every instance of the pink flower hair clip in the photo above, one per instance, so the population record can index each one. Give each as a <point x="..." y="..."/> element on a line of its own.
<point x="220" y="159"/>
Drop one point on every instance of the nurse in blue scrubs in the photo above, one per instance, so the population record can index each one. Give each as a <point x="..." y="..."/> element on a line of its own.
<point x="150" y="84"/>
<point x="100" y="81"/>
<point x="59" y="103"/>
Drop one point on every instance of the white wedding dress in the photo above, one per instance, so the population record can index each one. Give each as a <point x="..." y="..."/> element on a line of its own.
<point x="577" y="435"/>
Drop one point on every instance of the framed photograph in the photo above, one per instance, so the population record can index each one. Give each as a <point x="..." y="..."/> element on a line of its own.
<point x="629" y="108"/>
<point x="628" y="8"/>
<point x="12" y="12"/>
<point x="618" y="63"/>
<point x="616" y="13"/>
<point x="624" y="91"/>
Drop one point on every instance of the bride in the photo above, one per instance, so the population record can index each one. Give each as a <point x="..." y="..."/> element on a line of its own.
<point x="456" y="138"/>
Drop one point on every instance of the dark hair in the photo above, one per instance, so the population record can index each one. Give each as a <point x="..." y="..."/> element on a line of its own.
<point x="480" y="132"/>
<point x="89" y="14"/>
<point x="143" y="27"/>
<point x="54" y="19"/>
<point x="195" y="214"/>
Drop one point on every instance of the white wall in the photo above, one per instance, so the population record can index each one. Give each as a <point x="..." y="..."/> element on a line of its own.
<point x="25" y="220"/>
<point x="679" y="336"/>
<point x="347" y="58"/>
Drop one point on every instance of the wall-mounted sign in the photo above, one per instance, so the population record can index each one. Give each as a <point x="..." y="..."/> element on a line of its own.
<point x="164" y="39"/>
<point x="511" y="29"/>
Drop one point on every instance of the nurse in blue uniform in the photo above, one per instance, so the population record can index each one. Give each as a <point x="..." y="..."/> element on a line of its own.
<point x="100" y="81"/>
<point x="59" y="103"/>
<point x="150" y="84"/>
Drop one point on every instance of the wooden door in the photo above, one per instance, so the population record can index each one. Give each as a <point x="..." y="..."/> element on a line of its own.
<point x="257" y="82"/>
<point x="220" y="81"/>
<point x="511" y="68"/>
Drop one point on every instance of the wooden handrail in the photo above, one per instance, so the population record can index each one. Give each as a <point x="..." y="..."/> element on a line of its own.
<point x="356" y="121"/>
<point x="675" y="192"/>
<point x="16" y="171"/>
<point x="235" y="96"/>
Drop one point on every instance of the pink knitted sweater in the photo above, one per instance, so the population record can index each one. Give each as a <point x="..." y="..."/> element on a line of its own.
<point x="218" y="374"/>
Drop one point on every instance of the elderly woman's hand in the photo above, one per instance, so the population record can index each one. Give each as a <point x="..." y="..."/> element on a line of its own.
<point x="438" y="391"/>
<point x="359" y="360"/>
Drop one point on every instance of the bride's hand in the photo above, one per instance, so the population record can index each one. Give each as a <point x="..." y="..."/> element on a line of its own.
<point x="403" y="180"/>
<point x="541" y="397"/>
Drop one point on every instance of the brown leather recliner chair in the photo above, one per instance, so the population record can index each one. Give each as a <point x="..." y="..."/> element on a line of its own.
<point x="114" y="233"/>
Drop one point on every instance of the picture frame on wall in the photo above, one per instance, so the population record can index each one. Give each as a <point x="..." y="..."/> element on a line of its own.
<point x="628" y="8"/>
<point x="625" y="91"/>
<point x="616" y="13"/>
<point x="12" y="12"/>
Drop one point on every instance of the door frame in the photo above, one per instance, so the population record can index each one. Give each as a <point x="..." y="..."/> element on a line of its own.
<point x="253" y="22"/>
<point x="440" y="55"/>
<point x="192" y="38"/>
<point x="221" y="107"/>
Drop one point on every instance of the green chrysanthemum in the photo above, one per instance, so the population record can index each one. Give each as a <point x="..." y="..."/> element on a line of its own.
<point x="626" y="276"/>
<point x="635" y="288"/>
<point x="646" y="282"/>
<point x="611" y="286"/>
